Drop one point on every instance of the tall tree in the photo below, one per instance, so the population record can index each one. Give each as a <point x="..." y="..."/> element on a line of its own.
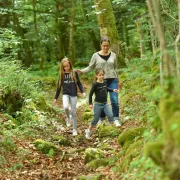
<point x="27" y="58"/>
<point x="177" y="44"/>
<point x="39" y="47"/>
<point x="71" y="34"/>
<point x="166" y="65"/>
<point x="91" y="32"/>
<point x="107" y="25"/>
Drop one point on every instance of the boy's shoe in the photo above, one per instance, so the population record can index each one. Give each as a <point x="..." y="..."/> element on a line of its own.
<point x="87" y="133"/>
<point x="116" y="123"/>
<point x="74" y="132"/>
<point x="68" y="122"/>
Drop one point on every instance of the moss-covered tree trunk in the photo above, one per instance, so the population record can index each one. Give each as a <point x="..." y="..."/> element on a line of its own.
<point x="170" y="116"/>
<point x="107" y="25"/>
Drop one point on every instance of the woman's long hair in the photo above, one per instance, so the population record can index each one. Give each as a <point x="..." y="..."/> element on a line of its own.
<point x="62" y="72"/>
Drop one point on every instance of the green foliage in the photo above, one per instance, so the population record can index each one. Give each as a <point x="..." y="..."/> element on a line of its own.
<point x="8" y="44"/>
<point x="15" y="78"/>
<point x="8" y="144"/>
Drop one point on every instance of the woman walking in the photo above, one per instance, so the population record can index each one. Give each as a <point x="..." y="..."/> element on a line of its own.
<point x="106" y="60"/>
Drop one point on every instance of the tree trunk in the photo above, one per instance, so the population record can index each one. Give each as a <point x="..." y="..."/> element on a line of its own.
<point x="141" y="37"/>
<point x="107" y="25"/>
<point x="71" y="34"/>
<point x="61" y="29"/>
<point x="153" y="39"/>
<point x="39" y="47"/>
<point x="166" y="65"/>
<point x="90" y="32"/>
<point x="177" y="46"/>
<point x="27" y="59"/>
<point x="169" y="110"/>
<point x="5" y="18"/>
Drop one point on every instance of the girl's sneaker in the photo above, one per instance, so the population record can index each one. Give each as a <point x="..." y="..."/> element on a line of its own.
<point x="116" y="123"/>
<point x="68" y="122"/>
<point x="74" y="132"/>
<point x="87" y="133"/>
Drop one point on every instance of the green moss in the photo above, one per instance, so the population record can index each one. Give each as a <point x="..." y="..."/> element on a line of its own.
<point x="45" y="147"/>
<point x="42" y="105"/>
<point x="132" y="151"/>
<point x="108" y="131"/>
<point x="91" y="177"/>
<point x="98" y="163"/>
<point x="170" y="116"/>
<point x="135" y="148"/>
<point x="129" y="135"/>
<point x="61" y="140"/>
<point x="87" y="115"/>
<point x="92" y="154"/>
<point x="154" y="151"/>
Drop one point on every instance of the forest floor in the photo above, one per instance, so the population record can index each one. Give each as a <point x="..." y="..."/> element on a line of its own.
<point x="37" y="166"/>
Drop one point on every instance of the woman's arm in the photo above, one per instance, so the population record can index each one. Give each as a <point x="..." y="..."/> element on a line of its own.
<point x="90" y="66"/>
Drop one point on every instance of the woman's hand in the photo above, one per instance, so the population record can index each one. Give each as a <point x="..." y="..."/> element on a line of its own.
<point x="79" y="71"/>
<point x="84" y="94"/>
<point x="115" y="90"/>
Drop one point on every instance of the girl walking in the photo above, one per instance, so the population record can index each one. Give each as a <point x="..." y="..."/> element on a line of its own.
<point x="69" y="80"/>
<point x="100" y="102"/>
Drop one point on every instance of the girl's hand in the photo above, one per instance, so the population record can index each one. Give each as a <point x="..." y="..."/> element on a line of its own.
<point x="54" y="102"/>
<point x="119" y="86"/>
<point x="91" y="106"/>
<point x="115" y="90"/>
<point x="79" y="71"/>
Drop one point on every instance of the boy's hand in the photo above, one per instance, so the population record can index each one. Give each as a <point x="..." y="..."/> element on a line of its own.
<point x="115" y="90"/>
<point x="91" y="106"/>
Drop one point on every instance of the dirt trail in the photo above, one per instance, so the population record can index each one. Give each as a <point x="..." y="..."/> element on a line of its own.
<point x="35" y="166"/>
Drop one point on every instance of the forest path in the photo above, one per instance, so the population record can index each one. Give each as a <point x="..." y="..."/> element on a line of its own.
<point x="24" y="162"/>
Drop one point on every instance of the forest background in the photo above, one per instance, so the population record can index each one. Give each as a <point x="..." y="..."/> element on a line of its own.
<point x="36" y="35"/>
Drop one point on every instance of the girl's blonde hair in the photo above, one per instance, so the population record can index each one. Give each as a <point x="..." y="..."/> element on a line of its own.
<point x="62" y="72"/>
<point x="97" y="71"/>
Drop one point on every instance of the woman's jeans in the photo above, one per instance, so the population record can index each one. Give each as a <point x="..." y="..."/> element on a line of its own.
<point x="73" y="101"/>
<point x="98" y="109"/>
<point x="113" y="84"/>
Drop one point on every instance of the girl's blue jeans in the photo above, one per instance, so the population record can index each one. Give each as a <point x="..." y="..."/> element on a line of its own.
<point x="113" y="84"/>
<point x="98" y="109"/>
